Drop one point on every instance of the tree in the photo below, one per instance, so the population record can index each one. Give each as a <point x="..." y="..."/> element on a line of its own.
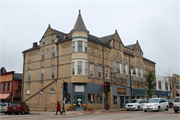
<point x="150" y="82"/>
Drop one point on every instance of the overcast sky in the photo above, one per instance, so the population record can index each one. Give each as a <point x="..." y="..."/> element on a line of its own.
<point x="154" y="23"/>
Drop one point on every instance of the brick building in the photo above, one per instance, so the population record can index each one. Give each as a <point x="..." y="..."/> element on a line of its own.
<point x="85" y="62"/>
<point x="10" y="86"/>
<point x="174" y="85"/>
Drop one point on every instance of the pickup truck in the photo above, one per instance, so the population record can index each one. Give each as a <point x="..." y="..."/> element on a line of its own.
<point x="176" y="104"/>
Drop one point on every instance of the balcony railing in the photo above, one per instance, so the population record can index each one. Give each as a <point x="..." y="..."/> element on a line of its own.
<point x="18" y="92"/>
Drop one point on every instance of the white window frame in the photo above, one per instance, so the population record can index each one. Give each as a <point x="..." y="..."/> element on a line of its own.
<point x="51" y="90"/>
<point x="29" y="75"/>
<point x="121" y="69"/>
<point x="126" y="68"/>
<point x="73" y="69"/>
<point x="85" y="47"/>
<point x="114" y="68"/>
<point x="42" y="73"/>
<point x="79" y="68"/>
<point x="107" y="72"/>
<point x="53" y="38"/>
<point x="53" y="52"/>
<point x="92" y="70"/>
<point x="28" y="92"/>
<point x="52" y="72"/>
<point x="99" y="71"/>
<point x="137" y="76"/>
<point x="41" y="91"/>
<point x="80" y="46"/>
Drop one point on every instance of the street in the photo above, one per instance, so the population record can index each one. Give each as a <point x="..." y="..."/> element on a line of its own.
<point x="97" y="115"/>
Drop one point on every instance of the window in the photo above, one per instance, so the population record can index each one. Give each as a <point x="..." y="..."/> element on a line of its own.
<point x="107" y="72"/>
<point x="79" y="46"/>
<point x="119" y="46"/>
<point x="51" y="90"/>
<point x="92" y="70"/>
<point x="114" y="44"/>
<point x="73" y="46"/>
<point x="85" y="47"/>
<point x="42" y="55"/>
<point x="19" y="85"/>
<point x="137" y="73"/>
<point x="159" y="82"/>
<point x="79" y="68"/>
<point x="99" y="71"/>
<point x="29" y="75"/>
<point x="73" y="68"/>
<point x="4" y="86"/>
<point x="141" y="74"/>
<point x="43" y="41"/>
<point x="121" y="70"/>
<point x="53" y="39"/>
<point x="91" y="98"/>
<point x="68" y="99"/>
<point x="52" y="71"/>
<point x="166" y="85"/>
<point x="8" y="86"/>
<point x="99" y="98"/>
<point x="126" y="68"/>
<point x="132" y="76"/>
<point x="115" y="100"/>
<point x="114" y="68"/>
<point x="42" y="73"/>
<point x="85" y="68"/>
<point x="53" y="52"/>
<point x="41" y="91"/>
<point x="28" y="92"/>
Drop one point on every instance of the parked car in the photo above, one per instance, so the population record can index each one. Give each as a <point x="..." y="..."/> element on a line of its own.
<point x="3" y="107"/>
<point x="135" y="104"/>
<point x="18" y="107"/>
<point x="156" y="104"/>
<point x="170" y="103"/>
<point x="176" y="104"/>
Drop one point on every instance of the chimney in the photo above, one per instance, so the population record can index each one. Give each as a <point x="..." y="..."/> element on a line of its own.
<point x="65" y="36"/>
<point x="34" y="44"/>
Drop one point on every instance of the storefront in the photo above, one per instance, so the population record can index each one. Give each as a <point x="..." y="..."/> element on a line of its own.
<point x="163" y="93"/>
<point x="121" y="95"/>
<point x="138" y="93"/>
<point x="81" y="94"/>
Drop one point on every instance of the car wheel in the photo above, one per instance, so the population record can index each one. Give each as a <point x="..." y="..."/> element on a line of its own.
<point x="22" y="112"/>
<point x="159" y="108"/>
<point x="28" y="111"/>
<point x="5" y="112"/>
<point x="145" y="110"/>
<point x="9" y="113"/>
<point x="138" y="108"/>
<point x="175" y="111"/>
<point x="167" y="108"/>
<point x="127" y="110"/>
<point x="16" y="113"/>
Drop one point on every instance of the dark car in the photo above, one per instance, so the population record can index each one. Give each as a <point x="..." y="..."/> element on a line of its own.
<point x="18" y="107"/>
<point x="170" y="103"/>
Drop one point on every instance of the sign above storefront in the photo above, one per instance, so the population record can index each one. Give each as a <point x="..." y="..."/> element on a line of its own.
<point x="121" y="91"/>
<point x="79" y="88"/>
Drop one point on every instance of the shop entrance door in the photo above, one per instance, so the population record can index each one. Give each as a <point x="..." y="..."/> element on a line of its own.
<point x="121" y="102"/>
<point x="79" y="101"/>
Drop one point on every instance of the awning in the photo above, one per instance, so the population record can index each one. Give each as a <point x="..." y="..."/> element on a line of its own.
<point x="138" y="91"/>
<point x="5" y="96"/>
<point x="162" y="93"/>
<point x="153" y="92"/>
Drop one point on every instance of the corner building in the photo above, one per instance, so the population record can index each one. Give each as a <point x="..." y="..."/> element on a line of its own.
<point x="85" y="62"/>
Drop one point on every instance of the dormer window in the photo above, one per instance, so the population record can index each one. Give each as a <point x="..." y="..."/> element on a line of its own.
<point x="53" y="39"/>
<point x="43" y="41"/>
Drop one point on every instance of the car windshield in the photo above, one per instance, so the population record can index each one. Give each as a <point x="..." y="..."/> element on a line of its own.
<point x="177" y="100"/>
<point x="3" y="104"/>
<point x="15" y="104"/>
<point x="134" y="101"/>
<point x="153" y="101"/>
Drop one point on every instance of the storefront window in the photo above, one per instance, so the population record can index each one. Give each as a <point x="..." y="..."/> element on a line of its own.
<point x="98" y="98"/>
<point x="127" y="99"/>
<point x="115" y="101"/>
<point x="91" y="98"/>
<point x="68" y="99"/>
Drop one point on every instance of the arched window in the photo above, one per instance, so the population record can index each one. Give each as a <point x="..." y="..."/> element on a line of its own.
<point x="53" y="39"/>
<point x="141" y="74"/>
<point x="137" y="73"/>
<point x="114" y="68"/>
<point x="53" y="52"/>
<point x="42" y="55"/>
<point x="121" y="69"/>
<point x="28" y="92"/>
<point x="51" y="90"/>
<point x="41" y="91"/>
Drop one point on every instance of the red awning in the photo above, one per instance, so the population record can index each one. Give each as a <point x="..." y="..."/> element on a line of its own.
<point x="5" y="96"/>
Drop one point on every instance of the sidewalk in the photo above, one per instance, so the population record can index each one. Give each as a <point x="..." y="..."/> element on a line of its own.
<point x="78" y="112"/>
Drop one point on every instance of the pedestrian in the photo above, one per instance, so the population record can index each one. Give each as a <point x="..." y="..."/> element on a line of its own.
<point x="58" y="108"/>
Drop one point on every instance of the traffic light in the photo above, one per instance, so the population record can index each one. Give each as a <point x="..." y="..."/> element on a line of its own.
<point x="108" y="86"/>
<point x="65" y="86"/>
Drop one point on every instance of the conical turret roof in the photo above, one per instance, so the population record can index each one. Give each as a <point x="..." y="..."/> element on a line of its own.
<point x="79" y="22"/>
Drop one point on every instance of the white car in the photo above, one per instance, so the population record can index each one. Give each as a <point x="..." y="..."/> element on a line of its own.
<point x="136" y="104"/>
<point x="3" y="107"/>
<point x="156" y="104"/>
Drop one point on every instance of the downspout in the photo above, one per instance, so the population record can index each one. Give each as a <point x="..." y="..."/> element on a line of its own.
<point x="57" y="59"/>
<point x="103" y="62"/>
<point x="23" y="78"/>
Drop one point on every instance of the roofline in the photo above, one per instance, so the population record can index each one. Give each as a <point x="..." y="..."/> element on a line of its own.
<point x="30" y="49"/>
<point x="148" y="60"/>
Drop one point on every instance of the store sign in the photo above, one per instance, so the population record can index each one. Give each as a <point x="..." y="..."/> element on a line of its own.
<point x="121" y="91"/>
<point x="79" y="88"/>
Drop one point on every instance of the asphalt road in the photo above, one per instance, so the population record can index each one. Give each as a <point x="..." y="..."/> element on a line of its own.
<point x="117" y="115"/>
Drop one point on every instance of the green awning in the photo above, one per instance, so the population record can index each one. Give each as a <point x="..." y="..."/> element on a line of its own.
<point x="138" y="91"/>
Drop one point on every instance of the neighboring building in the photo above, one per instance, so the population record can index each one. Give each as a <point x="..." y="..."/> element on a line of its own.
<point x="85" y="62"/>
<point x="163" y="86"/>
<point x="10" y="86"/>
<point x="175" y="85"/>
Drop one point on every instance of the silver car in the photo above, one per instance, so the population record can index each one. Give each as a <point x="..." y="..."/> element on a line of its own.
<point x="176" y="104"/>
